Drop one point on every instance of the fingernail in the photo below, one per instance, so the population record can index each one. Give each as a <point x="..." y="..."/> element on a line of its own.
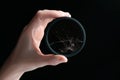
<point x="68" y="14"/>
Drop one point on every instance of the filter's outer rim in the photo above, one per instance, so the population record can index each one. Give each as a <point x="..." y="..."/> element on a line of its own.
<point x="59" y="19"/>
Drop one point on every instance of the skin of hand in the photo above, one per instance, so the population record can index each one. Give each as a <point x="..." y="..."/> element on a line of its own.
<point x="26" y="55"/>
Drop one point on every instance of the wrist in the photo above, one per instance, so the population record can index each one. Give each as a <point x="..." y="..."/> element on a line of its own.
<point x="11" y="71"/>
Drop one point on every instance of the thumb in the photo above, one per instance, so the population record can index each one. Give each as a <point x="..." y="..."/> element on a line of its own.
<point x="51" y="59"/>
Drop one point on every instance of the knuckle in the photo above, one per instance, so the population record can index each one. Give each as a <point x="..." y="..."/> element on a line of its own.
<point x="39" y="12"/>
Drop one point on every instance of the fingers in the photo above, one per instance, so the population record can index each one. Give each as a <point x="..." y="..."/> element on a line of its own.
<point x="46" y="16"/>
<point x="43" y="17"/>
<point x="54" y="59"/>
<point x="53" y="13"/>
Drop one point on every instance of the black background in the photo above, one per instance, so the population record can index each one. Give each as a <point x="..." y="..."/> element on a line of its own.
<point x="99" y="60"/>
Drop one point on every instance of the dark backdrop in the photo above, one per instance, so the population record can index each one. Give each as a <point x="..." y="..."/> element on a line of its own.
<point x="98" y="60"/>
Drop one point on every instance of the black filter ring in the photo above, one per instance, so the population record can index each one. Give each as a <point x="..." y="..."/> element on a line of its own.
<point x="54" y="22"/>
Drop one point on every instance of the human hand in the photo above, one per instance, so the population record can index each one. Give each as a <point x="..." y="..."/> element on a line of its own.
<point x="27" y="52"/>
<point x="27" y="56"/>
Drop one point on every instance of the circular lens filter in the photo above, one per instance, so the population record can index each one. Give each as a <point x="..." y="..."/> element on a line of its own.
<point x="64" y="36"/>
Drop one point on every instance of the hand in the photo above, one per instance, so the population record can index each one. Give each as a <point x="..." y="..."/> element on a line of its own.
<point x="27" y="56"/>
